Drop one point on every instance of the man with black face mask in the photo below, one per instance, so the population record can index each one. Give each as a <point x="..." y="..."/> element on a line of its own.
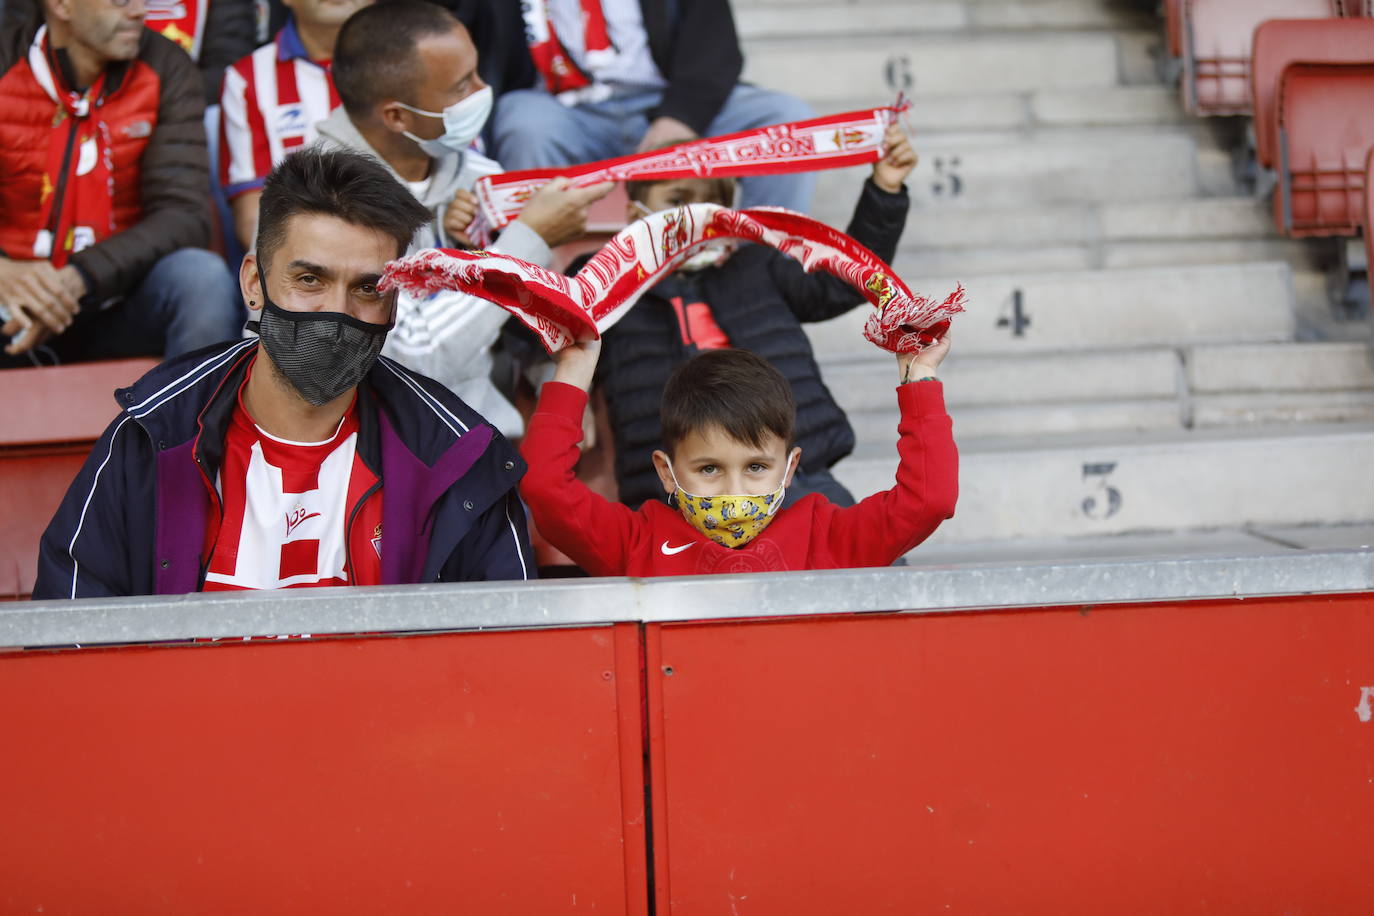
<point x="301" y="458"/>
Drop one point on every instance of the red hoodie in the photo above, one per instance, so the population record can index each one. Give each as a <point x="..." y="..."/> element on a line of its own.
<point x="610" y="539"/>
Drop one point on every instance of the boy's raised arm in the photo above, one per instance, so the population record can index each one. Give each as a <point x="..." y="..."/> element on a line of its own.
<point x="878" y="220"/>
<point x="593" y="531"/>
<point x="890" y="523"/>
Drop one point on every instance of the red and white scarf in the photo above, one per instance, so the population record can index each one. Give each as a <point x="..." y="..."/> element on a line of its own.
<point x="562" y="310"/>
<point x="182" y="21"/>
<point x="832" y="142"/>
<point x="550" y="55"/>
<point x="85" y="190"/>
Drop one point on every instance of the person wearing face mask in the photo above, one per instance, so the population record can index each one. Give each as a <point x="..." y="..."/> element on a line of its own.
<point x="749" y="297"/>
<point x="728" y="458"/>
<point x="406" y="73"/>
<point x="300" y="457"/>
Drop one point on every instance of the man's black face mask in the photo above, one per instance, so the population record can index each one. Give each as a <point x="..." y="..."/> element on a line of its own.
<point x="322" y="354"/>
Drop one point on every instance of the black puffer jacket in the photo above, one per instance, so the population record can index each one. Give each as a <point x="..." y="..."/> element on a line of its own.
<point x="759" y="298"/>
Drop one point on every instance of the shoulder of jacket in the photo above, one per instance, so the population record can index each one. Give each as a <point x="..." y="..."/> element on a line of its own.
<point x="423" y="395"/>
<point x="169" y="61"/>
<point x="181" y="386"/>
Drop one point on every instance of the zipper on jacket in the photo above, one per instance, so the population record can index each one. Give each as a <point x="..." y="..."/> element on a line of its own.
<point x="348" y="530"/>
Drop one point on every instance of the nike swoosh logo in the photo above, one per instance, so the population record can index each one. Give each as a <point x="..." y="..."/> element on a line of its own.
<point x="669" y="551"/>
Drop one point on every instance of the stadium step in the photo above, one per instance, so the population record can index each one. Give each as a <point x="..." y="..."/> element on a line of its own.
<point x="1052" y="168"/>
<point x="1101" y="484"/>
<point x="872" y="67"/>
<point x="1221" y="542"/>
<point x="757" y="21"/>
<point x="1142" y="352"/>
<point x="1026" y="313"/>
<point x="1132" y="391"/>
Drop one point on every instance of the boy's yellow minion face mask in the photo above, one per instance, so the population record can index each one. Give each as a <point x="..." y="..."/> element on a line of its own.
<point x="732" y="519"/>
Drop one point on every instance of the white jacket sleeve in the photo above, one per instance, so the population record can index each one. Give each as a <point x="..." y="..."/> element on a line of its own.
<point x="448" y="335"/>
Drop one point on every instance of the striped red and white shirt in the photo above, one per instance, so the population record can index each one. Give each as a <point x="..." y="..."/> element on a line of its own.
<point x="295" y="514"/>
<point x="271" y="102"/>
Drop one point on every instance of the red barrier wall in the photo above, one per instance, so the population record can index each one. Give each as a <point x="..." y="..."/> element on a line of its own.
<point x="481" y="773"/>
<point x="1201" y="757"/>
<point x="1196" y="757"/>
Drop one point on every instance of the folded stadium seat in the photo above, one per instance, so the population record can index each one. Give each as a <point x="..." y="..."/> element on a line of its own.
<point x="1369" y="223"/>
<point x="1326" y="128"/>
<point x="1217" y="36"/>
<point x="1282" y="42"/>
<point x="1173" y="26"/>
<point x="52" y="417"/>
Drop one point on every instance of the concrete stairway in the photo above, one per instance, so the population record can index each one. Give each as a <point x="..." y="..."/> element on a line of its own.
<point x="1144" y="358"/>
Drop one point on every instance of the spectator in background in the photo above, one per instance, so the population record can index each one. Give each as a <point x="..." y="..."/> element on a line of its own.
<point x="751" y="298"/>
<point x="609" y="78"/>
<point x="102" y="150"/>
<point x="272" y="100"/>
<point x="406" y="73"/>
<point x="300" y="458"/>
<point x="215" y="33"/>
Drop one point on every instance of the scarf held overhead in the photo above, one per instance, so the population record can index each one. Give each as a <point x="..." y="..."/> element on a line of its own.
<point x="832" y="142"/>
<point x="562" y="310"/>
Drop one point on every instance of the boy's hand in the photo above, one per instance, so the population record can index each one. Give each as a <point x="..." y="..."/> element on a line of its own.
<point x="576" y="365"/>
<point x="458" y="215"/>
<point x="890" y="172"/>
<point x="913" y="366"/>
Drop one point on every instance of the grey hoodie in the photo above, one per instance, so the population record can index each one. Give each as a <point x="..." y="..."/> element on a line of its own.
<point x="448" y="336"/>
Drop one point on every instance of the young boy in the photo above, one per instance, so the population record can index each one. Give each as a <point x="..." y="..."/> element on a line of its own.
<point x="728" y="430"/>
<point x="757" y="300"/>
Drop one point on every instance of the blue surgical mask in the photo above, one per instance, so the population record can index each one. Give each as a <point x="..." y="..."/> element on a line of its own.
<point x="463" y="121"/>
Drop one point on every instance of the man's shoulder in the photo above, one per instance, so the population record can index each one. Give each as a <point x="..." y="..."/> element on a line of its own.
<point x="244" y="66"/>
<point x="421" y="398"/>
<point x="182" y="385"/>
<point x="167" y="58"/>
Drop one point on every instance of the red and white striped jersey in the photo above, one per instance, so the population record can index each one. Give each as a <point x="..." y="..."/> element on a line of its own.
<point x="291" y="509"/>
<point x="271" y="101"/>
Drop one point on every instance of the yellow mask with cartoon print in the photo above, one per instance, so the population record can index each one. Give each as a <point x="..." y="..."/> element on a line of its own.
<point x="732" y="520"/>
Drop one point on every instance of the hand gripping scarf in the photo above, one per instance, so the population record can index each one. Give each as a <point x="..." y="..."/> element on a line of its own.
<point x="562" y="310"/>
<point x="831" y="142"/>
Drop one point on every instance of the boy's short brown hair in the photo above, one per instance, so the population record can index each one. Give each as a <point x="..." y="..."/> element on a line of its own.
<point x="722" y="189"/>
<point x="735" y="391"/>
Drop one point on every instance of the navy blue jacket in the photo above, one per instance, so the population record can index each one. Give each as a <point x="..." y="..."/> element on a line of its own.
<point x="133" y="521"/>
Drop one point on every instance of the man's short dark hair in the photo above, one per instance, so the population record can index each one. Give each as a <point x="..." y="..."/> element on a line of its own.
<point x="374" y="55"/>
<point x="735" y="391"/>
<point x="345" y="184"/>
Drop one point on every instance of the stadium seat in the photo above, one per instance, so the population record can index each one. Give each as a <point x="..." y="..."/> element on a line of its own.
<point x="1369" y="222"/>
<point x="1326" y="128"/>
<point x="1217" y="36"/>
<point x="52" y="417"/>
<point x="1280" y="43"/>
<point x="1173" y="26"/>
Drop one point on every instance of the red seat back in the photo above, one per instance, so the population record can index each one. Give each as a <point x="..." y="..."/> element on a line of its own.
<point x="1369" y="218"/>
<point x="52" y="416"/>
<point x="1173" y="26"/>
<point x="1216" y="48"/>
<point x="1326" y="128"/>
<point x="1280" y="43"/>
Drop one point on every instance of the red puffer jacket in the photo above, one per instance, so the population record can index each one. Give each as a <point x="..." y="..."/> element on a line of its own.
<point x="159" y="167"/>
